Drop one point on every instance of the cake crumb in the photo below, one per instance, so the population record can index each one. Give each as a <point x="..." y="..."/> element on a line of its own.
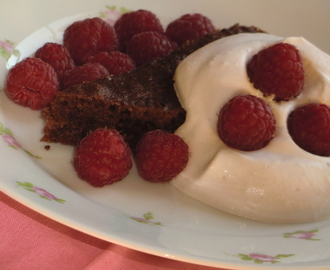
<point x="47" y="147"/>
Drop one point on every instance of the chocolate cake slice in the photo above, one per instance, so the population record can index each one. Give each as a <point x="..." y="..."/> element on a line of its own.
<point x="133" y="103"/>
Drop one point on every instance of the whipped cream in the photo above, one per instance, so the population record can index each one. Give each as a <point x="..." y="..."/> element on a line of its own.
<point x="280" y="183"/>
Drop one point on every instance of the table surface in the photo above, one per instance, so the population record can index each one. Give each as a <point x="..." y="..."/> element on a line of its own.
<point x="32" y="241"/>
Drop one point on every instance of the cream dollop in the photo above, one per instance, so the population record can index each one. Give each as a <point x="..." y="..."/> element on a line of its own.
<point x="280" y="183"/>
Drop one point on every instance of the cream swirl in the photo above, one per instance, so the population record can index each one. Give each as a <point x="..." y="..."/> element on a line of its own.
<point x="280" y="183"/>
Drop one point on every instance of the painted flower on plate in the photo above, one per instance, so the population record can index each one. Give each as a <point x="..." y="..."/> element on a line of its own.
<point x="7" y="48"/>
<point x="260" y="258"/>
<point x="43" y="193"/>
<point x="304" y="235"/>
<point x="11" y="141"/>
<point x="111" y="14"/>
<point x="146" y="219"/>
<point x="40" y="191"/>
<point x="8" y="138"/>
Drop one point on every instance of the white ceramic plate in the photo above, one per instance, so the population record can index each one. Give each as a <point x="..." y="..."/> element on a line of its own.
<point x="154" y="218"/>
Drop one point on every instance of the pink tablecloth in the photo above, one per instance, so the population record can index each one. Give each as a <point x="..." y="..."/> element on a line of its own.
<point x="31" y="241"/>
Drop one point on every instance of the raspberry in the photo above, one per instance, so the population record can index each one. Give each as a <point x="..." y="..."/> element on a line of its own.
<point x="85" y="73"/>
<point x="89" y="37"/>
<point x="115" y="62"/>
<point x="147" y="46"/>
<point x="102" y="158"/>
<point x="189" y="27"/>
<point x="132" y="23"/>
<point x="32" y="83"/>
<point x="246" y="123"/>
<point x="309" y="127"/>
<point x="277" y="70"/>
<point x="58" y="57"/>
<point x="160" y="156"/>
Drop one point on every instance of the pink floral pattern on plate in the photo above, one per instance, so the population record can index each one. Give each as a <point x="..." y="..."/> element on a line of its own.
<point x="7" y="49"/>
<point x="111" y="14"/>
<point x="260" y="258"/>
<point x="147" y="219"/>
<point x="303" y="235"/>
<point x="8" y="138"/>
<point x="44" y="194"/>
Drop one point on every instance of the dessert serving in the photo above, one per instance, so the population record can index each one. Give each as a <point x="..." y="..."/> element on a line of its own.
<point x="235" y="118"/>
<point x="133" y="103"/>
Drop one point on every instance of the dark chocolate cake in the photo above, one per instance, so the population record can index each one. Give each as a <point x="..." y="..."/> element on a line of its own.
<point x="133" y="103"/>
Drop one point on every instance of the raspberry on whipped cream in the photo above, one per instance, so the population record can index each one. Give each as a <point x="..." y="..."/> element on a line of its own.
<point x="280" y="183"/>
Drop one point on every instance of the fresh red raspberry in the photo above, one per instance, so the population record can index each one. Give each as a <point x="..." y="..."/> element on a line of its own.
<point x="85" y="73"/>
<point x="58" y="57"/>
<point x="148" y="46"/>
<point x="89" y="37"/>
<point x="160" y="156"/>
<point x="115" y="62"/>
<point x="102" y="158"/>
<point x="32" y="83"/>
<point x="277" y="70"/>
<point x="246" y="123"/>
<point x="189" y="27"/>
<point x="132" y="23"/>
<point x="309" y="127"/>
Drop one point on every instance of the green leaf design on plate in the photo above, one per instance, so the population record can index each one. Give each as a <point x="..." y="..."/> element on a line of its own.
<point x="43" y="197"/>
<point x="31" y="155"/>
<point x="303" y="235"/>
<point x="148" y="216"/>
<point x="279" y="256"/>
<point x="146" y="219"/>
<point x="60" y="200"/>
<point x="4" y="130"/>
<point x="245" y="257"/>
<point x="25" y="184"/>
<point x="122" y="10"/>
